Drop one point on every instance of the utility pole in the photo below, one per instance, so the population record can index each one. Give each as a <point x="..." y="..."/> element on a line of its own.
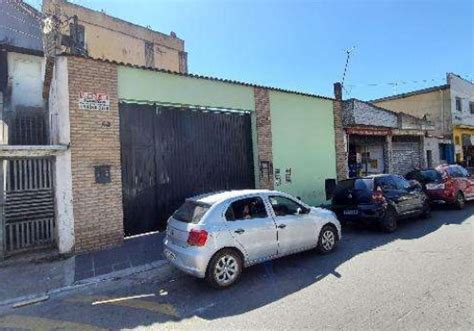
<point x="348" y="52"/>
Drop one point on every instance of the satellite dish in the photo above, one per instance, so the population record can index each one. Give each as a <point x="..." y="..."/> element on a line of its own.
<point x="47" y="25"/>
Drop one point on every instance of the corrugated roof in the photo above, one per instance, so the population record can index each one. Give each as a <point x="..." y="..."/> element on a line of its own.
<point x="408" y="94"/>
<point x="223" y="80"/>
<point x="385" y="109"/>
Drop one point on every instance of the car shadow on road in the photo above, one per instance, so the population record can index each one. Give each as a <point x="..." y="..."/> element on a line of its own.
<point x="185" y="298"/>
<point x="267" y="283"/>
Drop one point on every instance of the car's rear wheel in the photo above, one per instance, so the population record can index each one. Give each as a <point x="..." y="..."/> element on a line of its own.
<point x="224" y="269"/>
<point x="389" y="221"/>
<point x="460" y="201"/>
<point x="327" y="239"/>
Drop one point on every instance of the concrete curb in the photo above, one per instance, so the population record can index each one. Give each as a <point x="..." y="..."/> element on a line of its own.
<point x="84" y="283"/>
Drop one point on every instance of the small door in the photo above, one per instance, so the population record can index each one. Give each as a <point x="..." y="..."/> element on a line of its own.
<point x="297" y="229"/>
<point x="252" y="228"/>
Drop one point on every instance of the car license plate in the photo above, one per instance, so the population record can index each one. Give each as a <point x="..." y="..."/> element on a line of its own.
<point x="431" y="186"/>
<point x="169" y="255"/>
<point x="351" y="212"/>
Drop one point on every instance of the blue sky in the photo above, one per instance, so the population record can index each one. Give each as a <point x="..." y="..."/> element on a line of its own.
<point x="300" y="44"/>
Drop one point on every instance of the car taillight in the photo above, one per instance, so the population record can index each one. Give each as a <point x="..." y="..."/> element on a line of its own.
<point x="377" y="195"/>
<point x="197" y="237"/>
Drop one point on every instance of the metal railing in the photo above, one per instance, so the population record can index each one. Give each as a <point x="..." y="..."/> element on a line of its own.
<point x="25" y="127"/>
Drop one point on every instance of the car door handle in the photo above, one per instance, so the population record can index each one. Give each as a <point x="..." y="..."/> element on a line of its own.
<point x="281" y="226"/>
<point x="239" y="231"/>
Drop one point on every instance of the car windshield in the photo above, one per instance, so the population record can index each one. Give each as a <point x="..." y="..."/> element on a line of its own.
<point x="191" y="212"/>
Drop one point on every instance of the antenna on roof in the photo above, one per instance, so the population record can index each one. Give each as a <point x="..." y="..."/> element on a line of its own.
<point x="348" y="52"/>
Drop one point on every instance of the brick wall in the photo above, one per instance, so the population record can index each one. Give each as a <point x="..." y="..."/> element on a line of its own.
<point x="341" y="154"/>
<point x="98" y="219"/>
<point x="264" y="137"/>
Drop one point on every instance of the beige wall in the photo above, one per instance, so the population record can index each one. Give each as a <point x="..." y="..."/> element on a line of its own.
<point x="111" y="38"/>
<point x="436" y="104"/>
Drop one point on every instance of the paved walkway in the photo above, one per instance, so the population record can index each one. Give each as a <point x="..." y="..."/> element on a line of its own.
<point x="38" y="278"/>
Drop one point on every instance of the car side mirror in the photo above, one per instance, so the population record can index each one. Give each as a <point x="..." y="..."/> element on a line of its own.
<point x="299" y="211"/>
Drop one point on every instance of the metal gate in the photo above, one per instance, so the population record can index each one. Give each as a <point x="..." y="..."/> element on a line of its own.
<point x="27" y="204"/>
<point x="170" y="154"/>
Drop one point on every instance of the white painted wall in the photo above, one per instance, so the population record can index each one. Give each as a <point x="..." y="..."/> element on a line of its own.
<point x="26" y="76"/>
<point x="465" y="90"/>
<point x="59" y="110"/>
<point x="432" y="144"/>
<point x="366" y="114"/>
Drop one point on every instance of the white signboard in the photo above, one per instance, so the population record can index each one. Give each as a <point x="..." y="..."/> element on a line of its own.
<point x="94" y="101"/>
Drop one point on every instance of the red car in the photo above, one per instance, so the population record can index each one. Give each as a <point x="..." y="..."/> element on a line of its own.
<point x="446" y="184"/>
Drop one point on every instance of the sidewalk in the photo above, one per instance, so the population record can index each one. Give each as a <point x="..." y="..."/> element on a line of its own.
<point x="27" y="280"/>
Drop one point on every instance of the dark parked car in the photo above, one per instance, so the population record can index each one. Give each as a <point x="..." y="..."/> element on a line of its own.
<point x="381" y="199"/>
<point x="450" y="184"/>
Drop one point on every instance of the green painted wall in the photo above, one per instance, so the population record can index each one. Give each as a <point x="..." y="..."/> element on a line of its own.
<point x="303" y="140"/>
<point x="148" y="85"/>
<point x="153" y="86"/>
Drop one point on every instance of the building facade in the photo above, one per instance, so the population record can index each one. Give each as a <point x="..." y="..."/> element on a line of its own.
<point x="142" y="140"/>
<point x="27" y="155"/>
<point x="451" y="108"/>
<point x="102" y="36"/>
<point x="382" y="141"/>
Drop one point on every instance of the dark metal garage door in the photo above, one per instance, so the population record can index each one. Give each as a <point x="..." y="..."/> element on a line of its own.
<point x="170" y="154"/>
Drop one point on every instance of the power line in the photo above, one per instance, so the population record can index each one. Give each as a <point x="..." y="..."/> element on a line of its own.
<point x="406" y="82"/>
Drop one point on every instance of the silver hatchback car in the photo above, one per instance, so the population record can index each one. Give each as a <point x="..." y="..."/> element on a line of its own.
<point x="214" y="236"/>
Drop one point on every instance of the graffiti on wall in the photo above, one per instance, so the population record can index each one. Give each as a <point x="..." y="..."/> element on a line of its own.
<point x="288" y="175"/>
<point x="266" y="170"/>
<point x="277" y="177"/>
<point x="94" y="101"/>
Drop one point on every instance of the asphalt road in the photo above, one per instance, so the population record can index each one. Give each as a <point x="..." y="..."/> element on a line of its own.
<point x="420" y="277"/>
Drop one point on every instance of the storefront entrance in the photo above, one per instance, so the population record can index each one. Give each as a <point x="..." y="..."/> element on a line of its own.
<point x="366" y="155"/>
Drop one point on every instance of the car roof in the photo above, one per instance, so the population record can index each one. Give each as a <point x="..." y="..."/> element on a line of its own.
<point x="368" y="177"/>
<point x="215" y="197"/>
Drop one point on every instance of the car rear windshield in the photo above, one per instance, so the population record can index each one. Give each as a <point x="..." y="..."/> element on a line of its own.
<point x="430" y="176"/>
<point x="353" y="191"/>
<point x="191" y="212"/>
<point x="359" y="184"/>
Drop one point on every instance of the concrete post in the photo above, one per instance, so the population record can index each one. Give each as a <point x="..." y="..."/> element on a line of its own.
<point x="422" y="153"/>
<point x="341" y="154"/>
<point x="388" y="155"/>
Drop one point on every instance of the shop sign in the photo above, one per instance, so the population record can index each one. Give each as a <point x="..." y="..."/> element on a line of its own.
<point x="94" y="101"/>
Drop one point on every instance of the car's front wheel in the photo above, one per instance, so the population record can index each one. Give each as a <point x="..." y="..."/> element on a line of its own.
<point x="426" y="213"/>
<point x="460" y="201"/>
<point x="327" y="239"/>
<point x="389" y="221"/>
<point x="224" y="269"/>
